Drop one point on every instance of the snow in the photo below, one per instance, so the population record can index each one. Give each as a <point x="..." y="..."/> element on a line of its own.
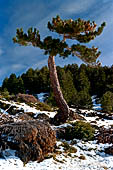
<point x="99" y="123"/>
<point x="42" y="96"/>
<point x="3" y="111"/>
<point x="95" y="158"/>
<point x="26" y="108"/>
<point x="95" y="105"/>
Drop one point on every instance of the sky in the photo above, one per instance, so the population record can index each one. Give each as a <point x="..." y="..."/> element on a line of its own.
<point x="36" y="13"/>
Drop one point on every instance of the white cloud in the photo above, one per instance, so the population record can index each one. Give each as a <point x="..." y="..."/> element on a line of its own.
<point x="17" y="67"/>
<point x="108" y="59"/>
<point x="1" y="46"/>
<point x="1" y="51"/>
<point x="78" y="6"/>
<point x="106" y="1"/>
<point x="40" y="63"/>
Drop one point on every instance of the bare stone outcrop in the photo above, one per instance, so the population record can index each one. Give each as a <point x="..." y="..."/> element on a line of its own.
<point x="32" y="140"/>
<point x="27" y="98"/>
<point x="109" y="150"/>
<point x="105" y="135"/>
<point x="5" y="118"/>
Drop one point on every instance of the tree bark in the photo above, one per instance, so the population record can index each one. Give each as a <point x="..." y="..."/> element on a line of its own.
<point x="63" y="115"/>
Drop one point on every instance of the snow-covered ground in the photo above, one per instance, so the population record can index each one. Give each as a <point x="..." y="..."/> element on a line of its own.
<point x="42" y="96"/>
<point x="94" y="159"/>
<point x="26" y="108"/>
<point x="95" y="105"/>
<point x="93" y="153"/>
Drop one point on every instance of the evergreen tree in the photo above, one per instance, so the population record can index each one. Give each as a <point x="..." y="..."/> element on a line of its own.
<point x="12" y="84"/>
<point x="84" y="100"/>
<point x="74" y="70"/>
<point x="67" y="86"/>
<point x="80" y="30"/>
<point x="107" y="102"/>
<point x="5" y="93"/>
<point x="83" y="82"/>
<point x="20" y="85"/>
<point x="44" y="79"/>
<point x="28" y="80"/>
<point x="5" y="83"/>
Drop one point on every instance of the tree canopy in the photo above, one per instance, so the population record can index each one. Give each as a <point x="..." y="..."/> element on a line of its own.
<point x="80" y="30"/>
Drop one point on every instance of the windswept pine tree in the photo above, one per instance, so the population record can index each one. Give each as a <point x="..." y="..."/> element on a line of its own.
<point x="80" y="30"/>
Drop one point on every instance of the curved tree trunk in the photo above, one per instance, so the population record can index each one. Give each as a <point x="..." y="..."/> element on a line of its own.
<point x="63" y="106"/>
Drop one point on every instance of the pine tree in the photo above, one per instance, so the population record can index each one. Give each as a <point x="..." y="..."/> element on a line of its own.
<point x="107" y="102"/>
<point x="84" y="99"/>
<point x="5" y="83"/>
<point x="12" y="84"/>
<point x="28" y="80"/>
<point x="80" y="30"/>
<point x="20" y="85"/>
<point x="83" y="82"/>
<point x="67" y="86"/>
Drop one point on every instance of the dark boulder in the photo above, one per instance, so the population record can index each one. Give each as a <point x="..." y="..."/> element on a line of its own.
<point x="5" y="118"/>
<point x="26" y="98"/>
<point x="105" y="135"/>
<point x="43" y="116"/>
<point x="23" y="117"/>
<point x="32" y="140"/>
<point x="109" y="150"/>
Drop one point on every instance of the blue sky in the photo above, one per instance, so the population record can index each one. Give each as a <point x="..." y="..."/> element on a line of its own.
<point x="36" y="13"/>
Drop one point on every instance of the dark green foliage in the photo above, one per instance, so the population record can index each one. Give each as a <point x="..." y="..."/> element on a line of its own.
<point x="78" y="83"/>
<point x="5" y="94"/>
<point x="28" y="79"/>
<point x="84" y="100"/>
<point x="98" y="79"/>
<point x="36" y="81"/>
<point x="67" y="86"/>
<point x="51" y="100"/>
<point x="82" y="81"/>
<point x="5" y="83"/>
<point x="43" y="107"/>
<point x="13" y="84"/>
<point x="107" y="102"/>
<point x="79" y="130"/>
<point x="80" y="30"/>
<point x="68" y="148"/>
<point x="20" y="86"/>
<point x="90" y="54"/>
<point x="33" y="82"/>
<point x="43" y="79"/>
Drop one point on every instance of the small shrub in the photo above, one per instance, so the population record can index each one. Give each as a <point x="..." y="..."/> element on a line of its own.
<point x="79" y="130"/>
<point x="43" y="107"/>
<point x="5" y="94"/>
<point x="68" y="148"/>
<point x="4" y="106"/>
<point x="82" y="157"/>
<point x="57" y="160"/>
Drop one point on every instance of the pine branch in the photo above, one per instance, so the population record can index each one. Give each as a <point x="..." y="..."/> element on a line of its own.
<point x="81" y="30"/>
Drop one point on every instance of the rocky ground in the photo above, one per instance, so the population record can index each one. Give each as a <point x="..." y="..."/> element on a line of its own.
<point x="68" y="154"/>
